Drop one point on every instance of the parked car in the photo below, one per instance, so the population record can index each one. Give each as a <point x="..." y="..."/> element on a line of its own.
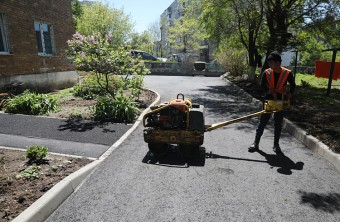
<point x="143" y="55"/>
<point x="163" y="59"/>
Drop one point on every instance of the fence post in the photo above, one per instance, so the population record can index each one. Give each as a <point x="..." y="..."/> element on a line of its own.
<point x="331" y="73"/>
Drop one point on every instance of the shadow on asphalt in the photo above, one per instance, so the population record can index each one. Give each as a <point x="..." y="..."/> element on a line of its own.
<point x="170" y="159"/>
<point x="223" y="101"/>
<point x="79" y="125"/>
<point x="216" y="156"/>
<point x="173" y="158"/>
<point x="285" y="164"/>
<point x="326" y="202"/>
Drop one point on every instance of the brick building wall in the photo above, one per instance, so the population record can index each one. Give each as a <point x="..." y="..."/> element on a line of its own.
<point x="19" y="18"/>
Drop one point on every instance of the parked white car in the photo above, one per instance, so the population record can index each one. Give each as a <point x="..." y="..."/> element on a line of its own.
<point x="163" y="59"/>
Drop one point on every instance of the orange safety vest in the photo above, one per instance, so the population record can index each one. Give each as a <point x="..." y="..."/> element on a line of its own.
<point x="280" y="83"/>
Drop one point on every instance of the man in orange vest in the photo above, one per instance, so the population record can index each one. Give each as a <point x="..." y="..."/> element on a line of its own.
<point x="274" y="83"/>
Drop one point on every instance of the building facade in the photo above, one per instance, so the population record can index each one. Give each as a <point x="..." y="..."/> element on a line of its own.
<point x="175" y="12"/>
<point x="33" y="40"/>
<point x="168" y="18"/>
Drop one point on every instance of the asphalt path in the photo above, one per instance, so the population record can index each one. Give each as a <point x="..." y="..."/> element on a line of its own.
<point x="234" y="185"/>
<point x="74" y="137"/>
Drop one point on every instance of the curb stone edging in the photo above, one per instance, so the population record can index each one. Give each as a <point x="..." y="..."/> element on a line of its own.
<point x="308" y="140"/>
<point x="41" y="209"/>
<point x="312" y="143"/>
<point x="46" y="204"/>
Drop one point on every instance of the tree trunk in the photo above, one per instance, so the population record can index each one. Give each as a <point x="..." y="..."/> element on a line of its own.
<point x="251" y="73"/>
<point x="264" y="66"/>
<point x="251" y="54"/>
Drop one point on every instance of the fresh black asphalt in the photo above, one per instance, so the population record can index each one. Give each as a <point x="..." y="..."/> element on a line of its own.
<point x="234" y="185"/>
<point x="75" y="137"/>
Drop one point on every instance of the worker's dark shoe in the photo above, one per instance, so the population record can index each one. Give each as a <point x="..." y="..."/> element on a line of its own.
<point x="277" y="149"/>
<point x="253" y="148"/>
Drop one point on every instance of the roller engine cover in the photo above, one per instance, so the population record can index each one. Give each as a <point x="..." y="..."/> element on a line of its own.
<point x="168" y="118"/>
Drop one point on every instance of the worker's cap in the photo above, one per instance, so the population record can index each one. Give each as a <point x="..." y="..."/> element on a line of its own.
<point x="275" y="56"/>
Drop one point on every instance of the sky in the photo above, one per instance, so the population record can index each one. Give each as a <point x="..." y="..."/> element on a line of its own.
<point x="142" y="12"/>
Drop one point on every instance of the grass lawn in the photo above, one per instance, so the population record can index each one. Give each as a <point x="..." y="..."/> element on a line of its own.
<point x="321" y="83"/>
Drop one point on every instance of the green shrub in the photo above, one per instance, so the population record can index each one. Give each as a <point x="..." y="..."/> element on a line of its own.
<point x="32" y="104"/>
<point x="31" y="172"/>
<point x="118" y="109"/>
<point x="135" y="85"/>
<point x="54" y="168"/>
<point x="89" y="88"/>
<point x="36" y="154"/>
<point x="233" y="60"/>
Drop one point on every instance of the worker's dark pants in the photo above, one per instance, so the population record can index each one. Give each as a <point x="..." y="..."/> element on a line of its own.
<point x="278" y="119"/>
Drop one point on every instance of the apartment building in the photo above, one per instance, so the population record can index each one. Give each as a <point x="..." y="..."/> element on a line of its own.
<point x="168" y="17"/>
<point x="33" y="40"/>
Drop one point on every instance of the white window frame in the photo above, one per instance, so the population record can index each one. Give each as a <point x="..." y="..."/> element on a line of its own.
<point x="4" y="35"/>
<point x="41" y="32"/>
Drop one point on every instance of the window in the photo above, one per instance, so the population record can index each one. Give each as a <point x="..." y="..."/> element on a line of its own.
<point x="3" y="37"/>
<point x="43" y="33"/>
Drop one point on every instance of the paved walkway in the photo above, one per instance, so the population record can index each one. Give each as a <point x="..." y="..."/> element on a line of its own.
<point x="81" y="138"/>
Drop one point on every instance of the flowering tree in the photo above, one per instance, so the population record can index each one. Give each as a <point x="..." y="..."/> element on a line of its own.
<point x="100" y="17"/>
<point x="97" y="54"/>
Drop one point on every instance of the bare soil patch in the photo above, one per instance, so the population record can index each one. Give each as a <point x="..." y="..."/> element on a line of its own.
<point x="18" y="194"/>
<point x="311" y="110"/>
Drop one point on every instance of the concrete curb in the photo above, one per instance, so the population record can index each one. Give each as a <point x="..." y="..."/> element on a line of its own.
<point x="51" y="200"/>
<point x="312" y="143"/>
<point x="41" y="209"/>
<point x="309" y="141"/>
<point x="138" y="121"/>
